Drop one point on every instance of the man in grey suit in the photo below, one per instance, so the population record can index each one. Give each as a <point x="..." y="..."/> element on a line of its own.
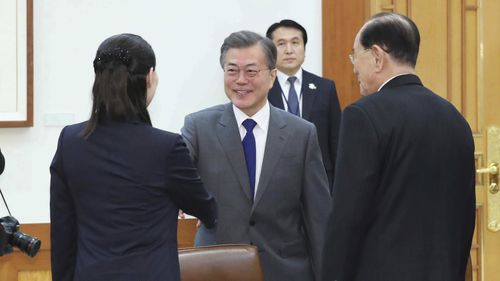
<point x="274" y="196"/>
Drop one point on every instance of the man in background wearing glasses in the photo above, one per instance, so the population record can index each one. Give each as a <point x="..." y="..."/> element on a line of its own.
<point x="303" y="93"/>
<point x="263" y="166"/>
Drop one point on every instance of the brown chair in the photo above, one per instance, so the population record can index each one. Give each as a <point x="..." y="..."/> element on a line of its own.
<point x="220" y="263"/>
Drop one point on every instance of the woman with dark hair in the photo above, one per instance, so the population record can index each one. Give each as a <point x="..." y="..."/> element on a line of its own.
<point x="117" y="183"/>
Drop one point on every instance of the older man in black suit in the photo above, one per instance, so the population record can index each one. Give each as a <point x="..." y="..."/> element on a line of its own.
<point x="303" y="93"/>
<point x="403" y="196"/>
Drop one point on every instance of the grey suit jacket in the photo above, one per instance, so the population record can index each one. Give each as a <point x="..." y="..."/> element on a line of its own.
<point x="287" y="219"/>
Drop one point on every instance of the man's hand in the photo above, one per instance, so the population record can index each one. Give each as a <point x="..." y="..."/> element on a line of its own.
<point x="181" y="215"/>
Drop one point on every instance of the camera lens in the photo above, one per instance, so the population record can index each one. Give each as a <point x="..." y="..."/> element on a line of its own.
<point x="25" y="243"/>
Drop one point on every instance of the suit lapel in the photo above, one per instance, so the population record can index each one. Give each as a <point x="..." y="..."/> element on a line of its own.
<point x="277" y="137"/>
<point x="308" y="94"/>
<point x="229" y="138"/>
<point x="274" y="95"/>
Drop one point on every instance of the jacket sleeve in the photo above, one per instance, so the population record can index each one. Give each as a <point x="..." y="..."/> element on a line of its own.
<point x="334" y="124"/>
<point x="186" y="188"/>
<point x="188" y="132"/>
<point x="356" y="180"/>
<point x="62" y="220"/>
<point x="315" y="200"/>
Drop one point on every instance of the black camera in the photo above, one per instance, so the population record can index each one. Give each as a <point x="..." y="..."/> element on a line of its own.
<point x="11" y="236"/>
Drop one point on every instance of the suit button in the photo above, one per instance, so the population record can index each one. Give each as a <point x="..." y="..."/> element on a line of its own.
<point x="252" y="222"/>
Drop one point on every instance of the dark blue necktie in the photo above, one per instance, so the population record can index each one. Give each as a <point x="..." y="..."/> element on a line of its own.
<point x="249" y="149"/>
<point x="293" y="101"/>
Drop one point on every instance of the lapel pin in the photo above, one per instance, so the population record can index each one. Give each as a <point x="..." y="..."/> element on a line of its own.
<point x="312" y="86"/>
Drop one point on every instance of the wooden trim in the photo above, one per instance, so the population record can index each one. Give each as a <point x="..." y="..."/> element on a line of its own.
<point x="480" y="72"/>
<point x="471" y="7"/>
<point x="389" y="7"/>
<point x="29" y="69"/>
<point x="477" y="265"/>
<point x="463" y="28"/>
<point x="478" y="65"/>
<point x="449" y="67"/>
<point x="479" y="159"/>
<point x="465" y="9"/>
<point x="409" y="9"/>
<point x="29" y="122"/>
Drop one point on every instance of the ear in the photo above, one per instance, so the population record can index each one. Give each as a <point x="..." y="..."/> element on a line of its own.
<point x="273" y="73"/>
<point x="149" y="78"/>
<point x="379" y="56"/>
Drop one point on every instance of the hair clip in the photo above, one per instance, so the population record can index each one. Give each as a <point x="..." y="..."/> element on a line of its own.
<point x="114" y="54"/>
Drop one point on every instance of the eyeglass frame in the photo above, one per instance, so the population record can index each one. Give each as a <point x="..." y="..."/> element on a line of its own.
<point x="352" y="54"/>
<point x="246" y="73"/>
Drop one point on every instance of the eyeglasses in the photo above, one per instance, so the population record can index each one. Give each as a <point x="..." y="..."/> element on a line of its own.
<point x="352" y="55"/>
<point x="249" y="72"/>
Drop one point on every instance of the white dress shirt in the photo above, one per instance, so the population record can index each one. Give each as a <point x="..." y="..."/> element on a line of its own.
<point x="260" y="134"/>
<point x="285" y="86"/>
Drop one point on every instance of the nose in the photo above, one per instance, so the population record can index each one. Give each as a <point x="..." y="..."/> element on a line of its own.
<point x="288" y="48"/>
<point x="241" y="79"/>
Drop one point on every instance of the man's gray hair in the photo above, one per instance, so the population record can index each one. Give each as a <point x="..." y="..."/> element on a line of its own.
<point x="245" y="39"/>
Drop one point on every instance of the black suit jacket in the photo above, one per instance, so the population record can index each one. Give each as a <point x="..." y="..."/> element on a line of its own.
<point x="403" y="197"/>
<point x="320" y="105"/>
<point x="114" y="201"/>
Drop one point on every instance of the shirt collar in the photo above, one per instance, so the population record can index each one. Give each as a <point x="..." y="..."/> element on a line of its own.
<point x="261" y="117"/>
<point x="388" y="80"/>
<point x="282" y="77"/>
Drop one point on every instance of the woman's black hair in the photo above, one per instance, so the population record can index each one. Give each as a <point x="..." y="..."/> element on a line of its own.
<point x="121" y="65"/>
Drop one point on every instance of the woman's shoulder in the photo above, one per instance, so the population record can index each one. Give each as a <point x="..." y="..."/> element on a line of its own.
<point x="160" y="133"/>
<point x="74" y="129"/>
